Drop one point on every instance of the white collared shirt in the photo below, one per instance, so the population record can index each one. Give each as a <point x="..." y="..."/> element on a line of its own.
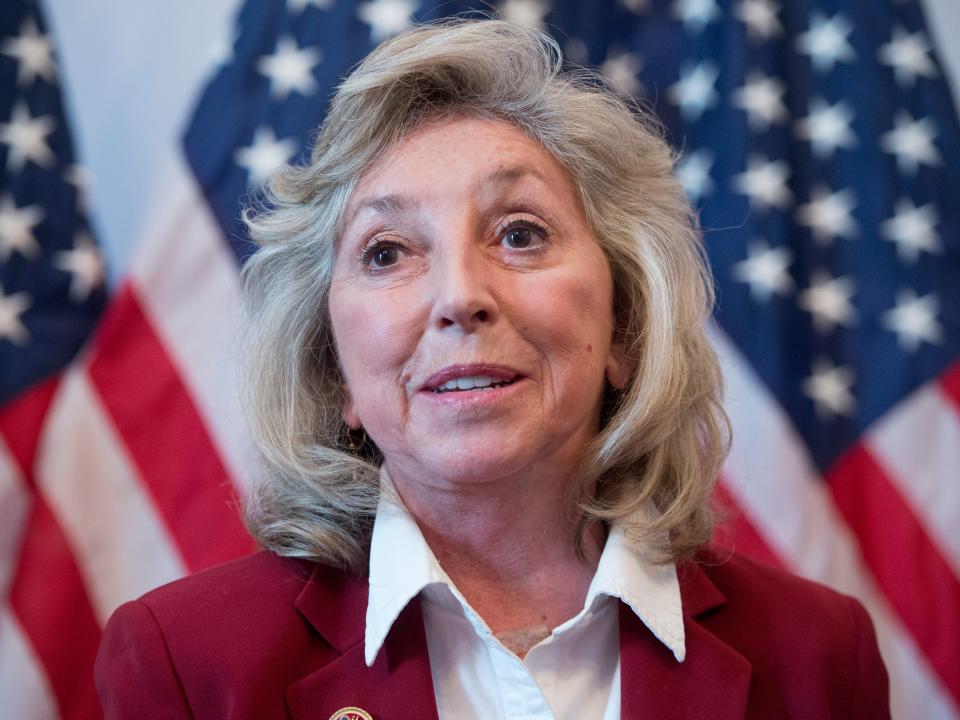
<point x="572" y="673"/>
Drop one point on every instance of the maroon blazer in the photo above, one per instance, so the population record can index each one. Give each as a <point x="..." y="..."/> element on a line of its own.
<point x="268" y="637"/>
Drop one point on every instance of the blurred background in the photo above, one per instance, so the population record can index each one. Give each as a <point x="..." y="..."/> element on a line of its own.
<point x="819" y="138"/>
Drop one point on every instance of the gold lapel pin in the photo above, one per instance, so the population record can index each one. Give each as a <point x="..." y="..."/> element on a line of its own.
<point x="351" y="713"/>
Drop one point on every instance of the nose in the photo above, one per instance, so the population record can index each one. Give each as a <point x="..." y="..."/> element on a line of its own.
<point x="464" y="297"/>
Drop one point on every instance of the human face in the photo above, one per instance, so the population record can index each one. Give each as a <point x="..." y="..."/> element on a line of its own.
<point x="465" y="253"/>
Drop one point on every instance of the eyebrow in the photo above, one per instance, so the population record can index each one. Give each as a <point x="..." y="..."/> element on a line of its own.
<point x="510" y="176"/>
<point x="385" y="204"/>
<point x="394" y="203"/>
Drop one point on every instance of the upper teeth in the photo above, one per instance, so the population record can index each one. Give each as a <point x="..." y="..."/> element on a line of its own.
<point x="466" y="383"/>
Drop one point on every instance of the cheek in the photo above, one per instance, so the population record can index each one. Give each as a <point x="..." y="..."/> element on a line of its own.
<point x="578" y="308"/>
<point x="570" y="320"/>
<point x="377" y="335"/>
<point x="372" y="338"/>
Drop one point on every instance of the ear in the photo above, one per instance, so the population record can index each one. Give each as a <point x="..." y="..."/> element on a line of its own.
<point x="618" y="369"/>
<point x="349" y="413"/>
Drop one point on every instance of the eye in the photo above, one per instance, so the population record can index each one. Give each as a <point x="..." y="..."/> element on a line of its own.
<point x="384" y="256"/>
<point x="380" y="255"/>
<point x="523" y="235"/>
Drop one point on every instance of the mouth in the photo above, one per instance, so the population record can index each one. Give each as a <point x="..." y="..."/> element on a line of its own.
<point x="464" y="378"/>
<point x="475" y="382"/>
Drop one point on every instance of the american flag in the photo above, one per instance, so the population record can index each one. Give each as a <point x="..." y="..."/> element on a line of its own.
<point x="818" y="138"/>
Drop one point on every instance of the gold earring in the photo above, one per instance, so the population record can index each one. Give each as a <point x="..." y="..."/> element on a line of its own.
<point x="352" y="442"/>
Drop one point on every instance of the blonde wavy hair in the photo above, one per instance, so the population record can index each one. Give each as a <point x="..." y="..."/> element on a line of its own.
<point x="663" y="437"/>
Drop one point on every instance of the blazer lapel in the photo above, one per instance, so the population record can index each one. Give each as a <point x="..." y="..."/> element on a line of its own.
<point x="398" y="685"/>
<point x="713" y="680"/>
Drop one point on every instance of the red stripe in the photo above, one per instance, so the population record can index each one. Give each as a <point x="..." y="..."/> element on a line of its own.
<point x="950" y="382"/>
<point x="907" y="566"/>
<point x="735" y="531"/>
<point x="165" y="435"/>
<point x="21" y="421"/>
<point x="50" y="602"/>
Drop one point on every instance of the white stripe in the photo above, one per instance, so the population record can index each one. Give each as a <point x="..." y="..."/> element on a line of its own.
<point x="188" y="281"/>
<point x="24" y="689"/>
<point x="14" y="504"/>
<point x="773" y="480"/>
<point x="122" y="547"/>
<point x="918" y="442"/>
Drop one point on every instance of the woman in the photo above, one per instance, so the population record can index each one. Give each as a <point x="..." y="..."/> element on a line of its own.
<point x="478" y="373"/>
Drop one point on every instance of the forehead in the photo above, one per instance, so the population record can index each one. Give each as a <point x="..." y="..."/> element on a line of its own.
<point x="464" y="155"/>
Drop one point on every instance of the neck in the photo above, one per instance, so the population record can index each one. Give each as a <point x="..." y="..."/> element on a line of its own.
<point x="509" y="547"/>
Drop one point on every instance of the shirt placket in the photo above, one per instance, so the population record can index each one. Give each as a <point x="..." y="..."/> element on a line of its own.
<point x="522" y="697"/>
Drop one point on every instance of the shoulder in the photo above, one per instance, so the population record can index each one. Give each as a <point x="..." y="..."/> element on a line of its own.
<point x="802" y="639"/>
<point x="771" y="603"/>
<point x="228" y="635"/>
<point x="252" y="584"/>
<point x="750" y="585"/>
<point x="253" y="597"/>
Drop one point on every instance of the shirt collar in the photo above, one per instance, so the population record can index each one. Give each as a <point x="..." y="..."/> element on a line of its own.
<point x="402" y="564"/>
<point x="651" y="590"/>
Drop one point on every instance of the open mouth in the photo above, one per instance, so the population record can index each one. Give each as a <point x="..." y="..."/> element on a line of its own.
<point x="475" y="382"/>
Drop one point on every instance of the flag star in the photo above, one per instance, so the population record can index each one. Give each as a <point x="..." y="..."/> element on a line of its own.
<point x="621" y="71"/>
<point x="827" y="127"/>
<point x="762" y="98"/>
<point x="387" y="17"/>
<point x="765" y="182"/>
<point x="26" y="137"/>
<point x="914" y="320"/>
<point x="298" y="6"/>
<point x="290" y="68"/>
<point x="85" y="264"/>
<point x="576" y="51"/>
<point x="912" y="229"/>
<point x="16" y="229"/>
<point x="33" y="53"/>
<point x="636" y="6"/>
<point x="79" y="177"/>
<point x="760" y="17"/>
<point x="529" y="13"/>
<point x="826" y="41"/>
<point x="908" y="55"/>
<point x="265" y="155"/>
<point x="694" y="92"/>
<point x="694" y="173"/>
<point x="11" y="308"/>
<point x="829" y="215"/>
<point x="830" y="389"/>
<point x="766" y="270"/>
<point x="828" y="301"/>
<point x="696" y="14"/>
<point x="912" y="142"/>
<point x="222" y="49"/>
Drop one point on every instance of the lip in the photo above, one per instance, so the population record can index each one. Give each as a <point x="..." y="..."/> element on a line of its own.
<point x="500" y="373"/>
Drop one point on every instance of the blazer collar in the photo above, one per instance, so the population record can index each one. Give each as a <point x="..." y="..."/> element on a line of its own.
<point x="397" y="685"/>
<point x="713" y="680"/>
<point x="402" y="565"/>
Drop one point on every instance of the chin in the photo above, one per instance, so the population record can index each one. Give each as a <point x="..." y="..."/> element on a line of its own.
<point x="482" y="454"/>
<point x="474" y="466"/>
<point x="452" y="462"/>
